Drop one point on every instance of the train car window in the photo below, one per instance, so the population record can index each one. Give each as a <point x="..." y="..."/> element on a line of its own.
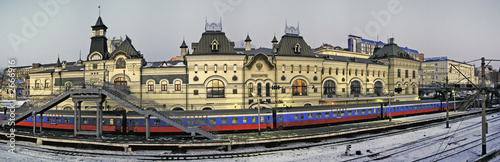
<point x="349" y="113"/>
<point x="253" y="120"/>
<point x="296" y="117"/>
<point x="280" y="117"/>
<point x="111" y="122"/>
<point x="190" y="121"/>
<point x="261" y="119"/>
<point x="137" y="122"/>
<point x="334" y="114"/>
<point x="49" y="119"/>
<point x="32" y="117"/>
<point x="234" y="121"/>
<point x="301" y="116"/>
<point x="66" y="120"/>
<point x="245" y="119"/>
<point x="213" y="121"/>
<point x="85" y="120"/>
<point x="268" y="118"/>
<point x="223" y="120"/>
<point x="374" y="111"/>
<point x="356" y="112"/>
<point x="370" y="111"/>
<point x="318" y="115"/>
<point x="93" y="121"/>
<point x="156" y="122"/>
<point x="327" y="114"/>
<point x="342" y="113"/>
<point x="309" y="116"/>
<point x="118" y="121"/>
<point x="103" y="122"/>
<point x="363" y="111"/>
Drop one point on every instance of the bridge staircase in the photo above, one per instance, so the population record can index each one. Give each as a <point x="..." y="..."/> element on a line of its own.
<point x="40" y="105"/>
<point x="123" y="97"/>
<point x="468" y="101"/>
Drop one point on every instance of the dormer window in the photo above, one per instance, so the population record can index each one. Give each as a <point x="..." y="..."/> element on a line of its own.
<point x="215" y="45"/>
<point x="96" y="57"/>
<point x="296" y="48"/>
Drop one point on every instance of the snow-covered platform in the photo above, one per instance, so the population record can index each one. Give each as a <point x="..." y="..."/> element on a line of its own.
<point x="129" y="142"/>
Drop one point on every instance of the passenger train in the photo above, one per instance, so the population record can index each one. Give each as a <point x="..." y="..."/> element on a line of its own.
<point x="239" y="120"/>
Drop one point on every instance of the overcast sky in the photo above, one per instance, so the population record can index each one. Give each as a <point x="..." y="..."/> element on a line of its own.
<point x="462" y="30"/>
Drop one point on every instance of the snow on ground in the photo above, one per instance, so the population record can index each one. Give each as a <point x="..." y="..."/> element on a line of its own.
<point x="422" y="143"/>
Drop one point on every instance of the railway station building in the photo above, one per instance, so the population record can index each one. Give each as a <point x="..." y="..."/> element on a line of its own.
<point x="216" y="75"/>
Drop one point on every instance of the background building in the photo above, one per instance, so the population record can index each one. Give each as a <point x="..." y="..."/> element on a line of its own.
<point x="435" y="71"/>
<point x="360" y="45"/>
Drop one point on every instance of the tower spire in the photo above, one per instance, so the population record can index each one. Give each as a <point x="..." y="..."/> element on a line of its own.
<point x="99" y="10"/>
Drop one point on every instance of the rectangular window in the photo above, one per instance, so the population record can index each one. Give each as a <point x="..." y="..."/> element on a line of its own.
<point x="245" y="120"/>
<point x="235" y="91"/>
<point x="195" y="92"/>
<point x="356" y="112"/>
<point x="374" y="111"/>
<point x="66" y="120"/>
<point x="280" y="117"/>
<point x="223" y="120"/>
<point x="342" y="113"/>
<point x="296" y="117"/>
<point x="334" y="114"/>
<point x="327" y="115"/>
<point x="309" y="116"/>
<point x="190" y="121"/>
<point x="349" y="113"/>
<point x="301" y="116"/>
<point x="261" y="119"/>
<point x="213" y="121"/>
<point x="363" y="111"/>
<point x="58" y="119"/>
<point x="318" y="115"/>
<point x="253" y="120"/>
<point x="94" y="66"/>
<point x="85" y="120"/>
<point x="369" y="111"/>
<point x="283" y="90"/>
<point x="156" y="122"/>
<point x="234" y="120"/>
<point x="111" y="122"/>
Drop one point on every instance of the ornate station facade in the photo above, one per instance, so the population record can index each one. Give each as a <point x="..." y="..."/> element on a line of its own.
<point x="216" y="75"/>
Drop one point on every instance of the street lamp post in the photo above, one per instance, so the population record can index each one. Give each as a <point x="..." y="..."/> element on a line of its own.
<point x="389" y="95"/>
<point x="454" y="100"/>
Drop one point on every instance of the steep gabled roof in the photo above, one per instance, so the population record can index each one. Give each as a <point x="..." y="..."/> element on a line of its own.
<point x="204" y="45"/>
<point x="127" y="47"/>
<point x="391" y="50"/>
<point x="287" y="45"/>
<point x="99" y="22"/>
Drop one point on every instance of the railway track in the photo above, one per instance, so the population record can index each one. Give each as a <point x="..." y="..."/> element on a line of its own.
<point x="236" y="154"/>
<point x="427" y="142"/>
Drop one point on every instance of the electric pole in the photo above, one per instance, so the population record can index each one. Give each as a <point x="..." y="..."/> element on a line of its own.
<point x="483" y="77"/>
<point x="447" y="102"/>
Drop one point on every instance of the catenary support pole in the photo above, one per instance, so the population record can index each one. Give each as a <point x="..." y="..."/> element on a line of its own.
<point x="447" y="103"/>
<point x="483" y="106"/>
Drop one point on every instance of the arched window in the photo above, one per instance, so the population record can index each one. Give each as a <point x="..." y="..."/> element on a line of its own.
<point x="206" y="68"/>
<point x="399" y="73"/>
<point x="283" y="68"/>
<point x="343" y="71"/>
<point x="291" y="68"/>
<point x="177" y="85"/>
<point x="259" y="89"/>
<point x="250" y="90"/>
<point x="235" y="67"/>
<point x="47" y="83"/>
<point x="195" y="68"/>
<point x="378" y="87"/>
<point x="95" y="57"/>
<point x="383" y="75"/>
<point x="151" y="86"/>
<point x="378" y="73"/>
<point x="356" y="72"/>
<point x="330" y="71"/>
<point x="215" y="68"/>
<point x="337" y="71"/>
<point x="414" y="89"/>
<point x="299" y="88"/>
<point x="120" y="63"/>
<point x="300" y="68"/>
<point x="215" y="89"/>
<point x="296" y="48"/>
<point x="120" y="81"/>
<point x="406" y="73"/>
<point x="315" y="69"/>
<point x="268" y="89"/>
<point x="164" y="85"/>
<point x="361" y="72"/>
<point x="407" y="90"/>
<point x="67" y="108"/>
<point x="349" y="72"/>
<point x="307" y="69"/>
<point x="37" y="84"/>
<point x="355" y="88"/>
<point x="215" y="45"/>
<point x="225" y="68"/>
<point x="329" y="88"/>
<point x="68" y="86"/>
<point x="373" y="73"/>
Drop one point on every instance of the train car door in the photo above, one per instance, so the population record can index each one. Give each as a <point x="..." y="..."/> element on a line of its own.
<point x="130" y="125"/>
